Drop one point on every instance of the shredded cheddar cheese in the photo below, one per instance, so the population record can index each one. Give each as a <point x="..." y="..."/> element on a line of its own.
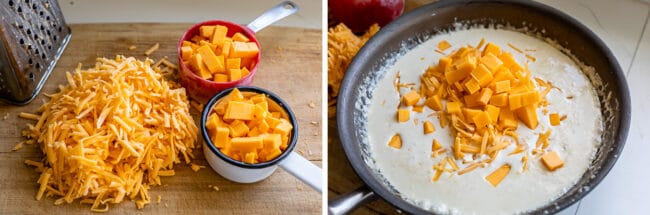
<point x="111" y="133"/>
<point x="342" y="46"/>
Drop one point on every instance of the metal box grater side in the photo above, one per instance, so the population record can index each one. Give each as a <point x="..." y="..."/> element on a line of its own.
<point x="34" y="35"/>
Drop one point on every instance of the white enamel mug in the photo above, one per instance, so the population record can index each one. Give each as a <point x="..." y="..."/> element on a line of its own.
<point x="241" y="172"/>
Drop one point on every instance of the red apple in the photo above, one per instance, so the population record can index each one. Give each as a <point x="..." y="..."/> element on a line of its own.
<point x="358" y="15"/>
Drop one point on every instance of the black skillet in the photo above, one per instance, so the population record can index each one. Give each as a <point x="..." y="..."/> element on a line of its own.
<point x="537" y="19"/>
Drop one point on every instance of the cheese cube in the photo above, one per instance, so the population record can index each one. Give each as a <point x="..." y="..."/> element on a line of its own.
<point x="491" y="61"/>
<point x="554" y="118"/>
<point x="235" y="74"/>
<point x="238" y="128"/>
<point x="219" y="35"/>
<point x="493" y="112"/>
<point x="215" y="64"/>
<point x="212" y="122"/>
<point x="528" y="116"/>
<point x="491" y="48"/>
<point x="428" y="127"/>
<point x="507" y="119"/>
<point x="453" y="107"/>
<point x="403" y="115"/>
<point x="250" y="157"/>
<point x="186" y="52"/>
<point x="435" y="145"/>
<point x="472" y="86"/>
<point x="395" y="141"/>
<point x="197" y="64"/>
<point x="434" y="103"/>
<point x="498" y="175"/>
<point x="221" y="138"/>
<point x="240" y="37"/>
<point x="239" y="110"/>
<point x="225" y="48"/>
<point x="220" y="78"/>
<point x="243" y="49"/>
<point x="283" y="128"/>
<point x="272" y="141"/>
<point x="482" y="119"/>
<point x="206" y="30"/>
<point x="482" y="75"/>
<point x="244" y="72"/>
<point x="233" y="63"/>
<point x="246" y="144"/>
<point x="552" y="161"/>
<point x="411" y="98"/>
<point x="502" y="86"/>
<point x="499" y="100"/>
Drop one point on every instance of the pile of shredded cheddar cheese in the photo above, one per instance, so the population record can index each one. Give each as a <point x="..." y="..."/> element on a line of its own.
<point x="111" y="133"/>
<point x="482" y="93"/>
<point x="342" y="46"/>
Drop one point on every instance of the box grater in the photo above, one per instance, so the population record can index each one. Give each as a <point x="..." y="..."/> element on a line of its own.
<point x="34" y="35"/>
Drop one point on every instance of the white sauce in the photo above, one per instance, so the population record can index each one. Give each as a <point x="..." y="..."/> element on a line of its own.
<point x="409" y="169"/>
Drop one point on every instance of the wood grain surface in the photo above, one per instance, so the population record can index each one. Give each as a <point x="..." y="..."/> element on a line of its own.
<point x="290" y="67"/>
<point x="341" y="177"/>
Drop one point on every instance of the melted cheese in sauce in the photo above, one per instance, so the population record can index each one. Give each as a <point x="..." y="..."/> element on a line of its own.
<point x="409" y="169"/>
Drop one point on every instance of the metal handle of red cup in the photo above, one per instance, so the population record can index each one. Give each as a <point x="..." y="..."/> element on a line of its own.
<point x="272" y="15"/>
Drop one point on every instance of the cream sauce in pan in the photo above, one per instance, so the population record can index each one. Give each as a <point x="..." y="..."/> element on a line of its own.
<point x="409" y="169"/>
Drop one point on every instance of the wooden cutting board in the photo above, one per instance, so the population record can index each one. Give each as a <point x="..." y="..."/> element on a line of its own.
<point x="290" y="67"/>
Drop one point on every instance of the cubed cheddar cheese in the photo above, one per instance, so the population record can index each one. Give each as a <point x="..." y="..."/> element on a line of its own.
<point x="238" y="128"/>
<point x="220" y="78"/>
<point x="221" y="137"/>
<point x="243" y="49"/>
<point x="247" y="144"/>
<point x="472" y="86"/>
<point x="507" y="119"/>
<point x="482" y="74"/>
<point x="491" y="48"/>
<point x="453" y="107"/>
<point x="499" y="100"/>
<point x="244" y="72"/>
<point x="434" y="102"/>
<point x="284" y="128"/>
<point x="395" y="141"/>
<point x="206" y="30"/>
<point x="528" y="116"/>
<point x="443" y="45"/>
<point x="233" y="63"/>
<point x="435" y="145"/>
<point x="554" y="118"/>
<point x="491" y="61"/>
<point x="493" y="112"/>
<point x="498" y="175"/>
<point x="411" y="98"/>
<point x="186" y="52"/>
<point x="219" y="34"/>
<point x="239" y="110"/>
<point x="212" y="122"/>
<point x="428" y="127"/>
<point x="239" y="37"/>
<point x="502" y="86"/>
<point x="215" y="64"/>
<point x="235" y="74"/>
<point x="403" y="115"/>
<point x="482" y="119"/>
<point x="552" y="161"/>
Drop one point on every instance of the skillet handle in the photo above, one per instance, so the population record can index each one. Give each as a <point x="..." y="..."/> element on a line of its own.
<point x="346" y="203"/>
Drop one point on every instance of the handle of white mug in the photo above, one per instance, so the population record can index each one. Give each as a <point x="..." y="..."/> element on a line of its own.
<point x="304" y="170"/>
